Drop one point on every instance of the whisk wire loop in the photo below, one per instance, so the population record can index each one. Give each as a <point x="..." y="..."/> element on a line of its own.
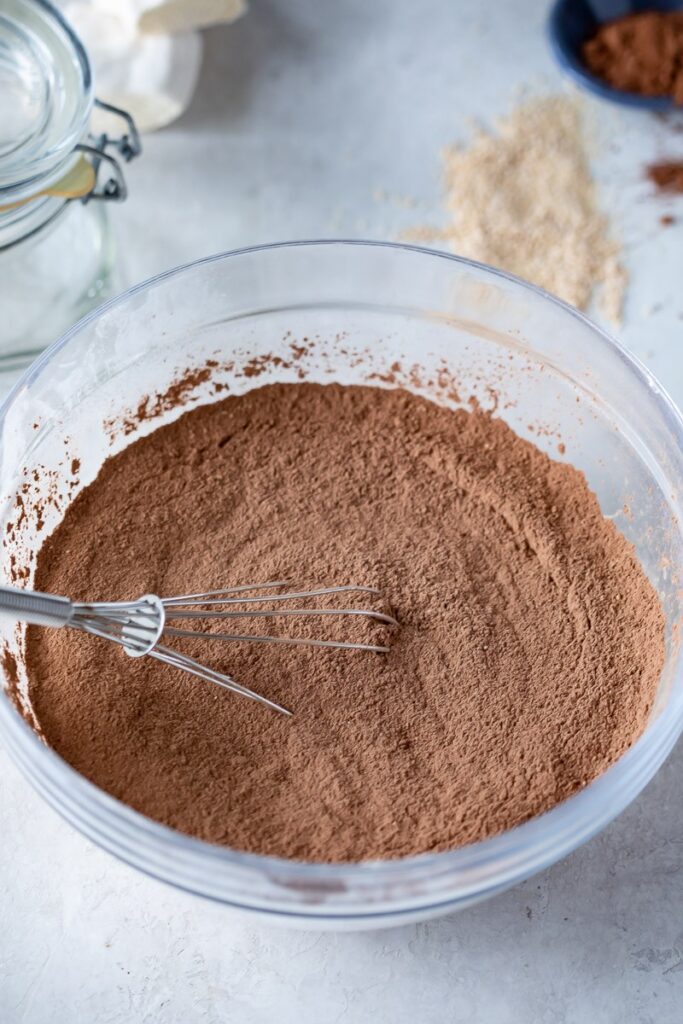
<point x="138" y="626"/>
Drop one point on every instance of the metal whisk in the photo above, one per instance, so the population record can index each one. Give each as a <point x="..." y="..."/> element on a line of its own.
<point x="137" y="626"/>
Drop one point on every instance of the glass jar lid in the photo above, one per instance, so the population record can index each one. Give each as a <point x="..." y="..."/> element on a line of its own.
<point x="46" y="96"/>
<point x="46" y="99"/>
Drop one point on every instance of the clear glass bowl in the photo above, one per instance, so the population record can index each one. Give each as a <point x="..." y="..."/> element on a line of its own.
<point x="553" y="375"/>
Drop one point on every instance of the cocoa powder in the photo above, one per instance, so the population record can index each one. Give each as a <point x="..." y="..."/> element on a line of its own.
<point x="526" y="661"/>
<point x="641" y="53"/>
<point x="667" y="175"/>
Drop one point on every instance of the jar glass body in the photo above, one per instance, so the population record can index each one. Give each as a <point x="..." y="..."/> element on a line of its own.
<point x="58" y="268"/>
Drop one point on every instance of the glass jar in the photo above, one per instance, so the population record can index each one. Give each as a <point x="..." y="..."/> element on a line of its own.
<point x="56" y="249"/>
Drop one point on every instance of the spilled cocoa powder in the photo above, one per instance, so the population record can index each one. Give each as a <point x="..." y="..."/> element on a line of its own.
<point x="526" y="661"/>
<point x="667" y="175"/>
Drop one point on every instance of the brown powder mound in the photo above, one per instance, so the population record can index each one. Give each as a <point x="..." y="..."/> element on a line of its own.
<point x="526" y="661"/>
<point x="640" y="53"/>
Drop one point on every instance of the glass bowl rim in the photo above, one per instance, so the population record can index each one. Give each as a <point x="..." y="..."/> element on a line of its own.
<point x="532" y="837"/>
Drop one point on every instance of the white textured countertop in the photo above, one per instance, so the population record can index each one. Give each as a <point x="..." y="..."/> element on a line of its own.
<point x="303" y="113"/>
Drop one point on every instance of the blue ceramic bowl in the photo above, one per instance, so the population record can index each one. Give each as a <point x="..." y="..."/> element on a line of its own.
<point x="572" y="22"/>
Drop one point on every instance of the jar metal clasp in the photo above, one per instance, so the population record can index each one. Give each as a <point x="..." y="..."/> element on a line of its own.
<point x="109" y="183"/>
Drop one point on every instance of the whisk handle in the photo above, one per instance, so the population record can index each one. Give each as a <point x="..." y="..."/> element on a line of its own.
<point x="31" y="606"/>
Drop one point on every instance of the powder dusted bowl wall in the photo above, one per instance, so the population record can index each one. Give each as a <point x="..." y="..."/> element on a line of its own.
<point x="351" y="313"/>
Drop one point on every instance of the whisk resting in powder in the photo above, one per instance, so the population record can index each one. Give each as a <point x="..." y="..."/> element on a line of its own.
<point x="137" y="626"/>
